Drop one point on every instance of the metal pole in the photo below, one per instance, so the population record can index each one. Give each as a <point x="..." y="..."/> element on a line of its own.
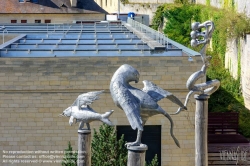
<point x="3" y="28"/>
<point x="84" y="146"/>
<point x="118" y="15"/>
<point x="136" y="155"/>
<point x="201" y="118"/>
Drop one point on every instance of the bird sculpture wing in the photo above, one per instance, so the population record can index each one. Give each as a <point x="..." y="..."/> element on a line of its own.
<point x="86" y="99"/>
<point x="130" y="105"/>
<point x="158" y="93"/>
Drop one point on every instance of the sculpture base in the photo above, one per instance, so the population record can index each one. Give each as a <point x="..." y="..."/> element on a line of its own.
<point x="84" y="131"/>
<point x="142" y="147"/>
<point x="136" y="155"/>
<point x="84" y="147"/>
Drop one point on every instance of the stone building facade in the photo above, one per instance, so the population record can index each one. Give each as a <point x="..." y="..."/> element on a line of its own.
<point x="53" y="11"/>
<point x="34" y="91"/>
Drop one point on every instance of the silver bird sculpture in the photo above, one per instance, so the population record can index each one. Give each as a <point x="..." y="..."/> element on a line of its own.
<point x="138" y="104"/>
<point x="83" y="113"/>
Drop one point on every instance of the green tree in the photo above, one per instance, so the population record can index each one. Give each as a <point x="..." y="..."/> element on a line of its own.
<point x="106" y="149"/>
<point x="124" y="1"/>
<point x="154" y="162"/>
<point x="181" y="1"/>
<point x="229" y="24"/>
<point x="179" y="21"/>
<point x="70" y="157"/>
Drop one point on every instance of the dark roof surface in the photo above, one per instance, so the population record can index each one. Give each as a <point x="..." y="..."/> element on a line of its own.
<point x="48" y="6"/>
<point x="90" y="5"/>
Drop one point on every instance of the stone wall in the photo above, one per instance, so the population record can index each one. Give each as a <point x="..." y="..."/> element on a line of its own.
<point x="111" y="6"/>
<point x="245" y="72"/>
<point x="238" y="54"/>
<point x="148" y="9"/>
<point x="237" y="50"/>
<point x="242" y="6"/>
<point x="231" y="57"/>
<point x="55" y="18"/>
<point x="33" y="91"/>
<point x="151" y="1"/>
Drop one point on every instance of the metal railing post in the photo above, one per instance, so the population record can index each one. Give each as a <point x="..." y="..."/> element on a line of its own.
<point x="4" y="30"/>
<point x="3" y="36"/>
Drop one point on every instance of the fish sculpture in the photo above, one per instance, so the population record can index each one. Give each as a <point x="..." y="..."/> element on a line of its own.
<point x="83" y="113"/>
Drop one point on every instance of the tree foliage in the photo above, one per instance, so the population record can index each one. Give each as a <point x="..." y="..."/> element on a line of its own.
<point x="179" y="23"/>
<point x="106" y="149"/>
<point x="229" y="24"/>
<point x="182" y="1"/>
<point x="154" y="162"/>
<point x="70" y="157"/>
<point x="124" y="2"/>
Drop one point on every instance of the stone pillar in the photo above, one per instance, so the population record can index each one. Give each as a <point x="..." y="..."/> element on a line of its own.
<point x="201" y="118"/>
<point x="136" y="155"/>
<point x="84" y="148"/>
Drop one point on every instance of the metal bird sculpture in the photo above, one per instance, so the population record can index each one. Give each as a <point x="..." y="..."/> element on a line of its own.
<point x="137" y="104"/>
<point x="83" y="113"/>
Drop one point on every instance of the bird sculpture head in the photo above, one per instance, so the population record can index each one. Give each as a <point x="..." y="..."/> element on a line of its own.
<point x="67" y="112"/>
<point x="127" y="73"/>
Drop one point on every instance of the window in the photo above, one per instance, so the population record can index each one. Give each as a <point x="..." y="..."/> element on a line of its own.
<point x="37" y="21"/>
<point x="151" y="136"/>
<point x="23" y="21"/>
<point x="47" y="21"/>
<point x="13" y="21"/>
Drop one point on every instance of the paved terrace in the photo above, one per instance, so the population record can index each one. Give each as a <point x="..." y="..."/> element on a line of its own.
<point x="88" y="39"/>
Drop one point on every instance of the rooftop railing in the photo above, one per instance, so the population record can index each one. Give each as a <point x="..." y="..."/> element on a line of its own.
<point x="160" y="37"/>
<point x="153" y="34"/>
<point x="4" y="30"/>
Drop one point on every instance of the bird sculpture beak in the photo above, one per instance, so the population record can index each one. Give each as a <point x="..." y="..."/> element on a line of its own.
<point x="137" y="80"/>
<point x="61" y="114"/>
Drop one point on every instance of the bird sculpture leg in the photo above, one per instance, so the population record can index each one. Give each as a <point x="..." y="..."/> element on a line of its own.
<point x="138" y="140"/>
<point x="81" y="125"/>
<point x="185" y="104"/>
<point x="71" y="120"/>
<point x="88" y="126"/>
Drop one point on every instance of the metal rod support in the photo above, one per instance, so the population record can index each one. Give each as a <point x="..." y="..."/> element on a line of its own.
<point x="136" y="155"/>
<point x="84" y="147"/>
<point x="201" y="118"/>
